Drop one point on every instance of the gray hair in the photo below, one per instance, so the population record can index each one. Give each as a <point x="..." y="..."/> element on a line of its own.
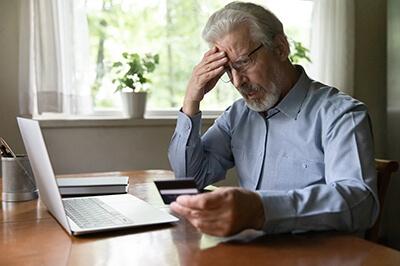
<point x="263" y="24"/>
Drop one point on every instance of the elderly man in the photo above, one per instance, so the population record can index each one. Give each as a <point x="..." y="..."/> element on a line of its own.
<point x="303" y="151"/>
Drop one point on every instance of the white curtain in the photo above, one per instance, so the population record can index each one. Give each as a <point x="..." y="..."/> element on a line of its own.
<point x="332" y="44"/>
<point x="54" y="58"/>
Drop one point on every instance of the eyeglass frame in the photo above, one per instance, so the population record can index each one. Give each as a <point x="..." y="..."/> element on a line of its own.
<point x="228" y="70"/>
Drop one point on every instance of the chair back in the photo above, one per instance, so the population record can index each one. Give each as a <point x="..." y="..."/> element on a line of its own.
<point x="385" y="169"/>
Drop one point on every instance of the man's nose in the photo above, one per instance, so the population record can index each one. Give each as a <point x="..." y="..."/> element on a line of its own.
<point x="238" y="78"/>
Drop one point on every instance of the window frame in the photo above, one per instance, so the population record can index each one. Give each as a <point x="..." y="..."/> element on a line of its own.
<point x="116" y="113"/>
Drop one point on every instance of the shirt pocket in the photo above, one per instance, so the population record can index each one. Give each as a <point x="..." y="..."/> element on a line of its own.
<point x="296" y="173"/>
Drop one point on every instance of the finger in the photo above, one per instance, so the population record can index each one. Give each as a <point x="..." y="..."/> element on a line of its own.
<point x="215" y="224"/>
<point x="213" y="55"/>
<point x="203" y="201"/>
<point x="218" y="227"/>
<point x="211" y="68"/>
<point x="212" y="51"/>
<point x="211" y="228"/>
<point x="207" y="73"/>
<point x="205" y="223"/>
<point x="195" y="217"/>
<point x="210" y="215"/>
<point x="178" y="208"/>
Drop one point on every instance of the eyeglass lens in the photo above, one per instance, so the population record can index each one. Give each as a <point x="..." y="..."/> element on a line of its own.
<point x="241" y="64"/>
<point x="227" y="76"/>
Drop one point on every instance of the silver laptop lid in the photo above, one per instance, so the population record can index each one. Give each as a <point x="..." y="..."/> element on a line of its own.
<point x="42" y="169"/>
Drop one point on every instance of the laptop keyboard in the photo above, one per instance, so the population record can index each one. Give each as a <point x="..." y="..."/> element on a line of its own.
<point x="92" y="212"/>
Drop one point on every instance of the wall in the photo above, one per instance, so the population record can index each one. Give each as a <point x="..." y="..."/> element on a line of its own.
<point x="370" y="65"/>
<point x="377" y="83"/>
<point x="9" y="22"/>
<point x="143" y="145"/>
<point x="391" y="218"/>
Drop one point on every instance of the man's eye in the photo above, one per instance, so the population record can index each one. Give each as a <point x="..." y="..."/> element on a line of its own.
<point x="242" y="62"/>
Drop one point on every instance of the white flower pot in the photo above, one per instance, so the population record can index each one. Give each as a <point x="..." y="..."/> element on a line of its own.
<point x="133" y="104"/>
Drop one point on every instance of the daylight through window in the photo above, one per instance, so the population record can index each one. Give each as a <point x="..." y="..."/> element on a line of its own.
<point x="171" y="28"/>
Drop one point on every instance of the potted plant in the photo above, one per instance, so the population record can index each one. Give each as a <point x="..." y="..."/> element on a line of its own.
<point x="132" y="77"/>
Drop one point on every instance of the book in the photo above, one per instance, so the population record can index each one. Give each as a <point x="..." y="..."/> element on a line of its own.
<point x="79" y="186"/>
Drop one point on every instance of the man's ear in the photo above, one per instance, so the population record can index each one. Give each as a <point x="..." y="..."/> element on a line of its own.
<point x="281" y="49"/>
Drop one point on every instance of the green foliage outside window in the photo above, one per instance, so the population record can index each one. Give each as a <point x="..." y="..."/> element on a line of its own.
<point x="299" y="53"/>
<point x="170" y="28"/>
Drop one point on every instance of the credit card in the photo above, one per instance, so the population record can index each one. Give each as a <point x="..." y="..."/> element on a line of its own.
<point x="171" y="189"/>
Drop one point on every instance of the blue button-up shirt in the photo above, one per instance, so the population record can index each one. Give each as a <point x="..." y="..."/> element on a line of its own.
<point x="311" y="158"/>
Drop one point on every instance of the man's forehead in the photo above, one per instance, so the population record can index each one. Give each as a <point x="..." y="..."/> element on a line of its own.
<point x="236" y="42"/>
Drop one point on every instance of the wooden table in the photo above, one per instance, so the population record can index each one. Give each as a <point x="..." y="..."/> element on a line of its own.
<point x="31" y="236"/>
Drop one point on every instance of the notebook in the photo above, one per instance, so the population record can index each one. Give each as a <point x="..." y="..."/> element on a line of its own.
<point x="124" y="210"/>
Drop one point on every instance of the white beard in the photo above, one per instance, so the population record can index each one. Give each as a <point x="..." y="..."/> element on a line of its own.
<point x="266" y="102"/>
<point x="270" y="96"/>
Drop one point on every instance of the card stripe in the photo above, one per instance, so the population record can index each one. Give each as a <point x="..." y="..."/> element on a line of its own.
<point x="179" y="191"/>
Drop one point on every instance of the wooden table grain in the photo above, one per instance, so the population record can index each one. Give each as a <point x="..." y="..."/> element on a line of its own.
<point x="31" y="236"/>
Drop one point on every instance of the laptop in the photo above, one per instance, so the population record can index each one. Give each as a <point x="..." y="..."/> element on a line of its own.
<point x="109" y="212"/>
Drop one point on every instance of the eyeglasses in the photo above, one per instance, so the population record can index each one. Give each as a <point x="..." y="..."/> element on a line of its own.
<point x="241" y="64"/>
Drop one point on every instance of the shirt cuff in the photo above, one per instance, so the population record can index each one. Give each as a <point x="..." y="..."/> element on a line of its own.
<point x="186" y="125"/>
<point x="277" y="208"/>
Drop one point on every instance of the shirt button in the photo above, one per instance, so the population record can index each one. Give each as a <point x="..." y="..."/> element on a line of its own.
<point x="187" y="126"/>
<point x="260" y="154"/>
<point x="304" y="165"/>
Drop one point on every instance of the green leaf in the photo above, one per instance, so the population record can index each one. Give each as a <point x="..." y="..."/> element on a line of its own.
<point x="117" y="64"/>
<point x="137" y="67"/>
<point x="157" y="59"/>
<point x="300" y="52"/>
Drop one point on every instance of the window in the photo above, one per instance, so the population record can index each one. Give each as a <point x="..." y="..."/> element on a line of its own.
<point x="54" y="50"/>
<point x="171" y="28"/>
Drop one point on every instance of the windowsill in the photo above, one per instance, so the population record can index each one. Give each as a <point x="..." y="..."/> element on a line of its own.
<point x="116" y="119"/>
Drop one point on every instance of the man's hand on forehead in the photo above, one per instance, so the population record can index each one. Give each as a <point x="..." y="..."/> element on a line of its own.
<point x="204" y="77"/>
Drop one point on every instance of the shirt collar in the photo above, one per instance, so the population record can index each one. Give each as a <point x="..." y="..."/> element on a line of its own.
<point x="292" y="102"/>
